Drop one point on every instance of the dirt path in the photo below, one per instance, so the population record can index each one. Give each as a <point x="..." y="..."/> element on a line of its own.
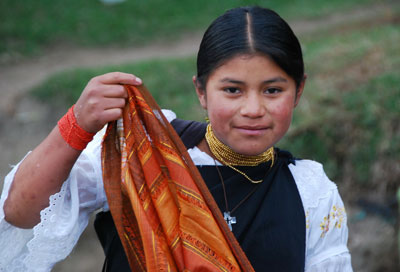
<point x="24" y="122"/>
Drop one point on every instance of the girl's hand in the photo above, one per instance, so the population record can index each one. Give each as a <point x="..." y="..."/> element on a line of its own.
<point x="102" y="100"/>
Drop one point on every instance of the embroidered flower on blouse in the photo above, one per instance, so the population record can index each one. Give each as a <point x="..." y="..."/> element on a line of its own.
<point x="334" y="220"/>
<point x="338" y="214"/>
<point x="325" y="225"/>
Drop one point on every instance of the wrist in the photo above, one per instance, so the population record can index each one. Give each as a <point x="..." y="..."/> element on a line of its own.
<point x="74" y="135"/>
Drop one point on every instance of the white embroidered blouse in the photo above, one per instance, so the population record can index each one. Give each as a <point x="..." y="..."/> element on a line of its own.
<point x="64" y="220"/>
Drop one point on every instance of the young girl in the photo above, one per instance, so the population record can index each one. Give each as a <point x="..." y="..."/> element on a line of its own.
<point x="284" y="212"/>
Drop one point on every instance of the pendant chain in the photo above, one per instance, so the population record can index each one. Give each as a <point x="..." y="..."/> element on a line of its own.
<point x="227" y="215"/>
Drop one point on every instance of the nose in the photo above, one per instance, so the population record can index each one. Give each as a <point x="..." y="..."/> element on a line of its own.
<point x="253" y="106"/>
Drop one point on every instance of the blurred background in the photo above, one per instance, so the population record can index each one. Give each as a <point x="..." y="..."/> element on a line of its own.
<point x="348" y="119"/>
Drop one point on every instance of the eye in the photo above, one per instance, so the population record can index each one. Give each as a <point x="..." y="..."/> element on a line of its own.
<point x="272" y="91"/>
<point x="232" y="90"/>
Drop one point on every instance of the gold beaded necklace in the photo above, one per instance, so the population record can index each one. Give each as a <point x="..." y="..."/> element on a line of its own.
<point x="227" y="156"/>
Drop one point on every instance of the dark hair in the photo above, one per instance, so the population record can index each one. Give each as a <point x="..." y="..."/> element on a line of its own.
<point x="249" y="30"/>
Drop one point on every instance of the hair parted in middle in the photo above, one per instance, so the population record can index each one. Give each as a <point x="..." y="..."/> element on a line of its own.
<point x="249" y="31"/>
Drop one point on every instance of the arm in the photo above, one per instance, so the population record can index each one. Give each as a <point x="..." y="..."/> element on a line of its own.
<point x="327" y="237"/>
<point x="61" y="223"/>
<point x="326" y="220"/>
<point x="43" y="172"/>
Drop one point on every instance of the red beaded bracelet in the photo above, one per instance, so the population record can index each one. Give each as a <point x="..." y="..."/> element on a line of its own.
<point x="72" y="133"/>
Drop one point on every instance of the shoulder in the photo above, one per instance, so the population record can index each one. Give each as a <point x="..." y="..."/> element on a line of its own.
<point x="169" y="114"/>
<point x="312" y="182"/>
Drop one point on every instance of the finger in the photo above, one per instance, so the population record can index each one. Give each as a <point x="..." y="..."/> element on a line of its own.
<point x="111" y="115"/>
<point x="120" y="78"/>
<point x="111" y="103"/>
<point x="114" y="91"/>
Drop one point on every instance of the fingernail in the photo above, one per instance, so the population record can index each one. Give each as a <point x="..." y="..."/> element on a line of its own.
<point x="138" y="80"/>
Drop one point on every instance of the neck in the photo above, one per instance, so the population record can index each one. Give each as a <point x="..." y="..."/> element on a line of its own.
<point x="227" y="156"/>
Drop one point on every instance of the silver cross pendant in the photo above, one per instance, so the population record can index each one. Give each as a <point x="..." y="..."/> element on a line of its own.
<point x="229" y="219"/>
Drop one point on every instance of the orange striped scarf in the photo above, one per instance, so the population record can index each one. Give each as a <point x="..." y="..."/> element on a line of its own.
<point x="165" y="216"/>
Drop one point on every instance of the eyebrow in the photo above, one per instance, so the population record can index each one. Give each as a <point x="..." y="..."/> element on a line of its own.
<point x="268" y="81"/>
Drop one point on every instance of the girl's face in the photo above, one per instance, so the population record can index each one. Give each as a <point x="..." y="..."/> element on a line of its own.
<point x="250" y="101"/>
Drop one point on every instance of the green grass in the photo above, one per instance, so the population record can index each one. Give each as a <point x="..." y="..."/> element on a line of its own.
<point x="363" y="129"/>
<point x="29" y="27"/>
<point x="350" y="114"/>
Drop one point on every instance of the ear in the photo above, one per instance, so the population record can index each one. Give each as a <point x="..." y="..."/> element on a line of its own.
<point x="201" y="93"/>
<point x="300" y="90"/>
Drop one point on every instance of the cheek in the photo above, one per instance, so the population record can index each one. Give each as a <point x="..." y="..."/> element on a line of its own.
<point x="282" y="113"/>
<point x="221" y="112"/>
<point x="221" y="116"/>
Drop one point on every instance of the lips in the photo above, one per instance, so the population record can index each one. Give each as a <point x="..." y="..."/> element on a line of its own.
<point x="252" y="130"/>
<point x="261" y="127"/>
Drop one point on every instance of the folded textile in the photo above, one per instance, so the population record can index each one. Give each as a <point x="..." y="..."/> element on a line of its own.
<point x="165" y="216"/>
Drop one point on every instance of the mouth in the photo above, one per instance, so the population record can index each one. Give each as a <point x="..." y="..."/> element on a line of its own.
<point x="252" y="130"/>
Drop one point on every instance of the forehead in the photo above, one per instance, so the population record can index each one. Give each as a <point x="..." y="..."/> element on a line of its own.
<point x="248" y="67"/>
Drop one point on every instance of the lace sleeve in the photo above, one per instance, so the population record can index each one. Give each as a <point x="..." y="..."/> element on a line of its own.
<point x="326" y="220"/>
<point x="61" y="223"/>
